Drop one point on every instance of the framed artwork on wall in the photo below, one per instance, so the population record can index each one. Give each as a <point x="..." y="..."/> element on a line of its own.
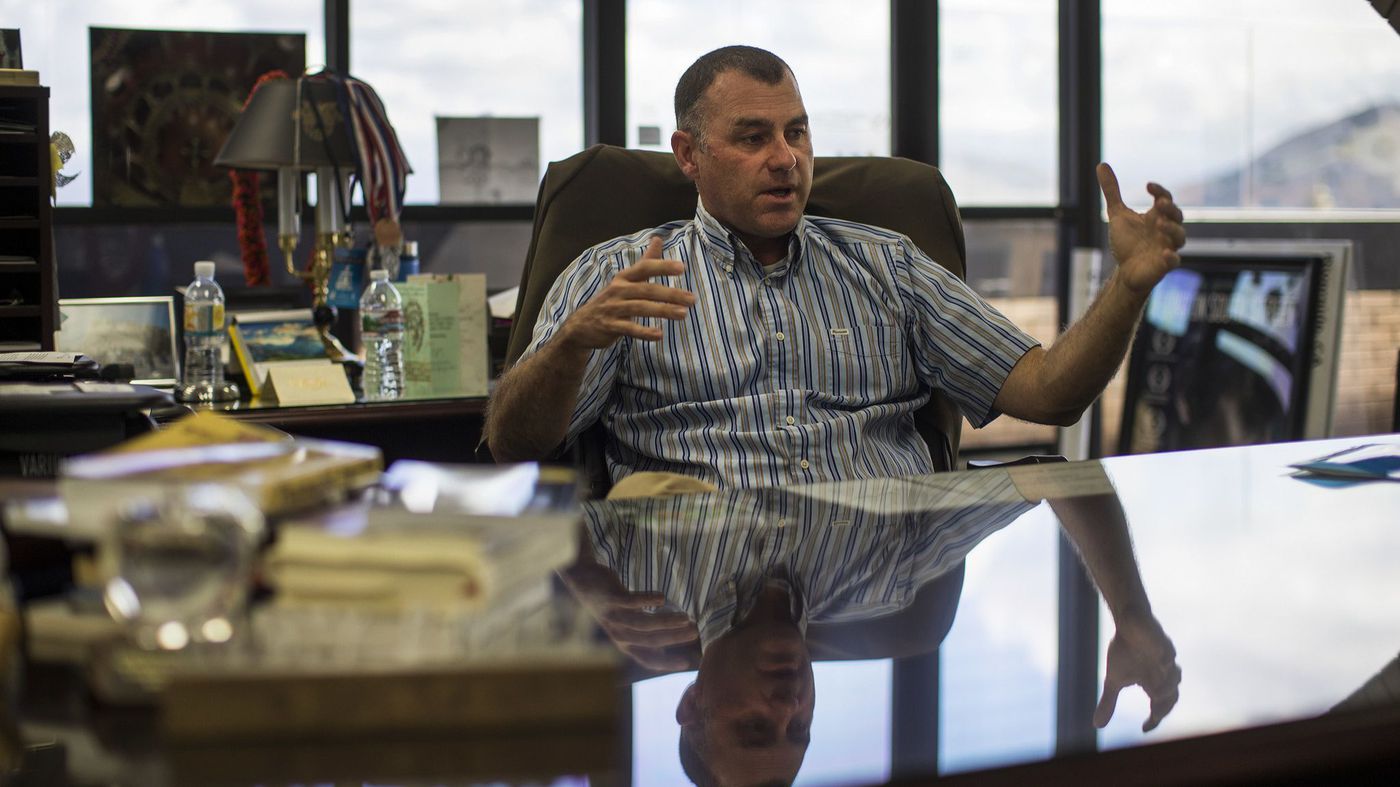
<point x="163" y="102"/>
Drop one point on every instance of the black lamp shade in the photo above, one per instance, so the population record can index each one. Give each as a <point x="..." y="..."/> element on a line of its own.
<point x="263" y="136"/>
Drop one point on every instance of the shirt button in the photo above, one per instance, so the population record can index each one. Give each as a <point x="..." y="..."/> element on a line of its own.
<point x="804" y="464"/>
<point x="791" y="420"/>
<point x="781" y="336"/>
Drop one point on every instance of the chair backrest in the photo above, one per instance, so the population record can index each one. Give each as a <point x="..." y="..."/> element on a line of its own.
<point x="605" y="191"/>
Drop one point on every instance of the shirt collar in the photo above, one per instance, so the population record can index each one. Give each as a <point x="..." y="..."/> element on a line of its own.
<point x="724" y="244"/>
<point x="731" y="603"/>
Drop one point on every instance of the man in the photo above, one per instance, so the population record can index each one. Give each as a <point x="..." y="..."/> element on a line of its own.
<point x="760" y="582"/>
<point x="756" y="346"/>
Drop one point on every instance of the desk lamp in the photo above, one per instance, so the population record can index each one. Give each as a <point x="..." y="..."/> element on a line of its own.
<point x="333" y="126"/>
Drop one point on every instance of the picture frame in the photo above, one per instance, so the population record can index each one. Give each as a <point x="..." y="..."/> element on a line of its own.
<point x="263" y="340"/>
<point x="135" y="330"/>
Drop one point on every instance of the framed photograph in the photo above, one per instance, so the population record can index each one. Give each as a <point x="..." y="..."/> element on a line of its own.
<point x="138" y="331"/>
<point x="264" y="339"/>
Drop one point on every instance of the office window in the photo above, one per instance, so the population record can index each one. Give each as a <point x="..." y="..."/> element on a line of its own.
<point x="428" y="59"/>
<point x="54" y="39"/>
<point x="1254" y="105"/>
<point x="998" y="101"/>
<point x="1012" y="263"/>
<point x="839" y="51"/>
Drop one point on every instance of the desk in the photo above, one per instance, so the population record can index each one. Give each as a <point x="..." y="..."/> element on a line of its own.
<point x="930" y="619"/>
<point x="443" y="429"/>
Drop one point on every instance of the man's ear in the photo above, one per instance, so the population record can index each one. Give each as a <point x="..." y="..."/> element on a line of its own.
<point x="688" y="709"/>
<point x="683" y="145"/>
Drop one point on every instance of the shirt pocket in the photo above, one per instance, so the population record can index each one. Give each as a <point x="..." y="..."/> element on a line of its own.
<point x="862" y="364"/>
<point x="864" y="341"/>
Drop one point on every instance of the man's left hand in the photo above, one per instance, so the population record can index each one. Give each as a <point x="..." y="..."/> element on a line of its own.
<point x="1144" y="244"/>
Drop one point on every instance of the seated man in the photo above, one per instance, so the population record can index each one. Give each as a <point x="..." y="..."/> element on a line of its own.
<point x="755" y="346"/>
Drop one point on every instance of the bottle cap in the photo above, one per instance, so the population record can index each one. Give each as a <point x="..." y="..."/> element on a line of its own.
<point x="410" y="248"/>
<point x="204" y="269"/>
<point x="379" y="274"/>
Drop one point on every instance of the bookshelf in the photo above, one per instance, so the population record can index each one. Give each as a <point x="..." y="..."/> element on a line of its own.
<point x="28" y="303"/>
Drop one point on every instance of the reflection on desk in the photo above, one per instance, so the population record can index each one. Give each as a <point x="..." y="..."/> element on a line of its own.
<point x="905" y="627"/>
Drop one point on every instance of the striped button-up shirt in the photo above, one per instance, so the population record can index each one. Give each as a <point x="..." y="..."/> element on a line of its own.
<point x="806" y="370"/>
<point x="849" y="552"/>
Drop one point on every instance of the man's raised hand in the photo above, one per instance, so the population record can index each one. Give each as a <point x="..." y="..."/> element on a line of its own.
<point x="1144" y="244"/>
<point x="617" y="309"/>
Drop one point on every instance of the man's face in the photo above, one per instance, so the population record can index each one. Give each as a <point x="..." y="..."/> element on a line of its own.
<point x="753" y="702"/>
<point x="754" y="170"/>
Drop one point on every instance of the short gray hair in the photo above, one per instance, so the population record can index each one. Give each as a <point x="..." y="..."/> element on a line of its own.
<point x="751" y="61"/>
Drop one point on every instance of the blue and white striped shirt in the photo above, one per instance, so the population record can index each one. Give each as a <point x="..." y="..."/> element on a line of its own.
<point x="807" y="370"/>
<point x="849" y="552"/>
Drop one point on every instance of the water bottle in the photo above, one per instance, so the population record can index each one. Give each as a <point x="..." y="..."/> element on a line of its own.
<point x="381" y="328"/>
<point x="204" y="340"/>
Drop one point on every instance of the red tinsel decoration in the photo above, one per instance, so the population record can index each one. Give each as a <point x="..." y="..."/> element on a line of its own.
<point x="252" y="241"/>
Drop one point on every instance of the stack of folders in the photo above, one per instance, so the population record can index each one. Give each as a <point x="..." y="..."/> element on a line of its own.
<point x="279" y="473"/>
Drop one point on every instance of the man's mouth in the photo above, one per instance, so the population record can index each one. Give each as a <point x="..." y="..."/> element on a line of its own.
<point x="782" y="193"/>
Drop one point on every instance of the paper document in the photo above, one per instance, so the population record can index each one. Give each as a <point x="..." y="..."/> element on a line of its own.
<point x="1373" y="461"/>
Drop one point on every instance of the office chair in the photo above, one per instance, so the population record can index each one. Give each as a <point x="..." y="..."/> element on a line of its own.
<point x="605" y="191"/>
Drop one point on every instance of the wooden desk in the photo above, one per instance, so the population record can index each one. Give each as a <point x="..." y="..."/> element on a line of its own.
<point x="436" y="430"/>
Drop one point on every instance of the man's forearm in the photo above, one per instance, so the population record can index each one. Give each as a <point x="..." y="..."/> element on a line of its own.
<point x="1081" y="362"/>
<point x="1098" y="529"/>
<point x="529" y="412"/>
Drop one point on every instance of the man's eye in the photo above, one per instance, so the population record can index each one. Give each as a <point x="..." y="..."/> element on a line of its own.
<point x="795" y="134"/>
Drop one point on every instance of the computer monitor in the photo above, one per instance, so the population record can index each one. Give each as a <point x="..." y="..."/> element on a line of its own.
<point x="1237" y="346"/>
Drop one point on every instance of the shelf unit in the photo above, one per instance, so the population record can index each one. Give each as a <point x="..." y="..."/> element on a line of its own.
<point x="28" y="307"/>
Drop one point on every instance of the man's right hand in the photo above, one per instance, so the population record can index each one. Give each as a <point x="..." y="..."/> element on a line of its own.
<point x="631" y="295"/>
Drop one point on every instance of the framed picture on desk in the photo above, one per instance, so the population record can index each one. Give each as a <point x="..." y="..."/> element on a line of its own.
<point x="139" y="331"/>
<point x="263" y="339"/>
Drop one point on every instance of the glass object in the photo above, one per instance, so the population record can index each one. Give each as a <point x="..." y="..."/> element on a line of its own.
<point x="471" y="59"/>
<point x="839" y="51"/>
<point x="1253" y="106"/>
<point x="203" y="379"/>
<point x="181" y="559"/>
<point x="998" y="101"/>
<point x="381" y="327"/>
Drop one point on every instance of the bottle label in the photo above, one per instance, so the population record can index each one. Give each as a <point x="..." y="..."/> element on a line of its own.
<point x="203" y="319"/>
<point x="384" y="322"/>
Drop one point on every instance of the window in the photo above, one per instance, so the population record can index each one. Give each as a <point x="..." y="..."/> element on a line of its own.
<point x="998" y="105"/>
<point x="839" y="51"/>
<point x="54" y="39"/>
<point x="1255" y="104"/>
<point x="428" y="59"/>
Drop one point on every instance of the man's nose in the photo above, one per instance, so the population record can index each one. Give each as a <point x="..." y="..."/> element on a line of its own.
<point x="782" y="157"/>
<point x="783" y="694"/>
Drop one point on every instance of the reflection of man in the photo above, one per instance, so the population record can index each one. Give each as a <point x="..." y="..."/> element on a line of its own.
<point x="756" y="346"/>
<point x="750" y="571"/>
<point x="753" y="574"/>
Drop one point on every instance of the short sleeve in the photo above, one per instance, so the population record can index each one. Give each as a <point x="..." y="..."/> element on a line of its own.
<point x="961" y="344"/>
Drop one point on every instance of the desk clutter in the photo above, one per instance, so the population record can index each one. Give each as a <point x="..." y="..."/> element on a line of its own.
<point x="251" y="585"/>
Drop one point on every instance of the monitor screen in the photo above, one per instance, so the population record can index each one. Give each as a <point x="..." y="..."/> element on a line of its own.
<point x="1224" y="354"/>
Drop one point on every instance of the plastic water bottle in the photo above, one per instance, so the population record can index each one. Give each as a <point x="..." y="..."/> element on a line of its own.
<point x="381" y="328"/>
<point x="204" y="340"/>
